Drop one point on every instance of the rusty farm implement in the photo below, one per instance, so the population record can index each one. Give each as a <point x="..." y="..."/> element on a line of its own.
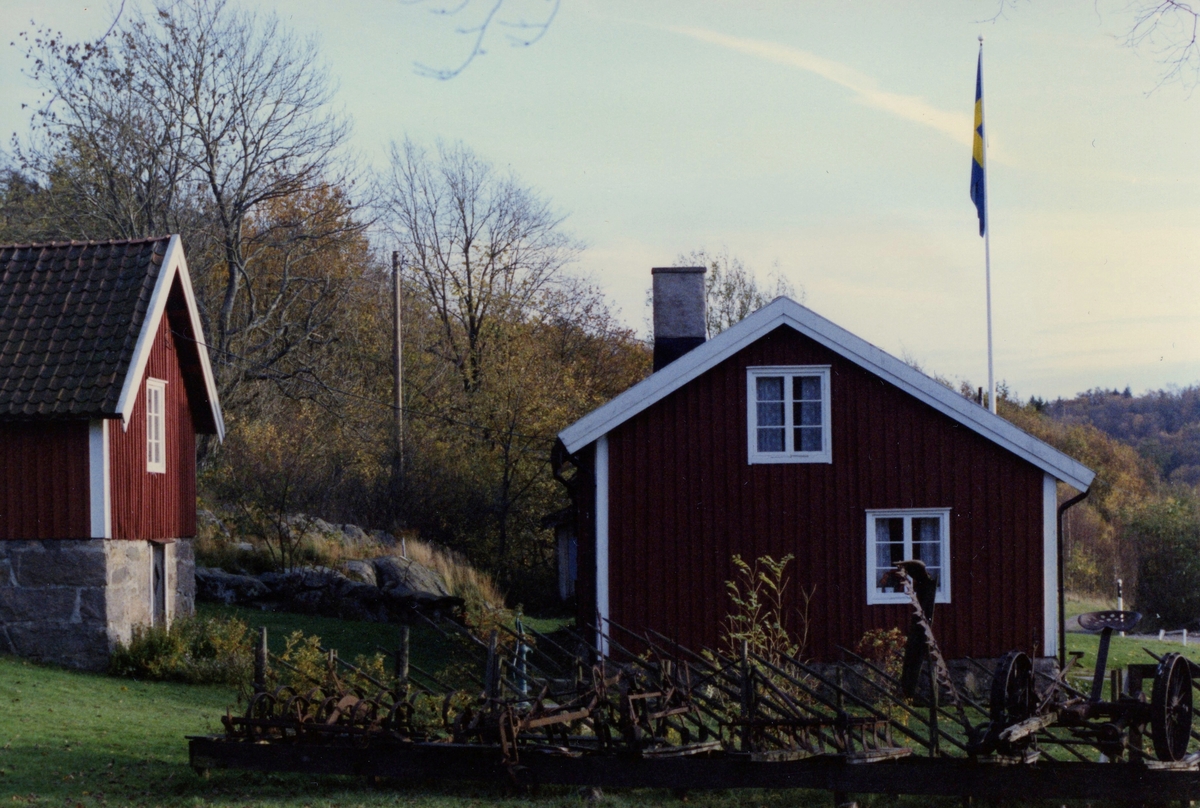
<point x="649" y="712"/>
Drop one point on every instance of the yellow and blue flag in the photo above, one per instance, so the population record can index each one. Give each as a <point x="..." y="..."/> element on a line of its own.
<point x="978" y="163"/>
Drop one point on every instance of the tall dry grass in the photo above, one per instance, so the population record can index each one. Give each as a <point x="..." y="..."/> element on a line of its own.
<point x="474" y="586"/>
<point x="477" y="588"/>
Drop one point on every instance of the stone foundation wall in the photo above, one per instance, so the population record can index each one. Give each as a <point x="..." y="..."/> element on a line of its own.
<point x="69" y="601"/>
<point x="128" y="592"/>
<point x="184" y="588"/>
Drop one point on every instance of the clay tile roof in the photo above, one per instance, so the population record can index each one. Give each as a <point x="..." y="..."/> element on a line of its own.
<point x="70" y="315"/>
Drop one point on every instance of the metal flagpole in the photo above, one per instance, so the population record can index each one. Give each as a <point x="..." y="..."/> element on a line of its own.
<point x="397" y="388"/>
<point x="987" y="242"/>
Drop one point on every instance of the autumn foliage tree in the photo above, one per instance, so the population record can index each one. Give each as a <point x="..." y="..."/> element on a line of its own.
<point x="201" y="118"/>
<point x="204" y="119"/>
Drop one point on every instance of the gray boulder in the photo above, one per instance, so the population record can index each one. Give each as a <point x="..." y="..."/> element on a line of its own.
<point x="362" y="571"/>
<point x="354" y="535"/>
<point x="320" y="590"/>
<point x="214" y="584"/>
<point x="405" y="579"/>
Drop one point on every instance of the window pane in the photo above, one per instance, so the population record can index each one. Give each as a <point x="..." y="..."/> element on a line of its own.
<point x="770" y="414"/>
<point x="807" y="388"/>
<point x="807" y="414"/>
<point x="927" y="528"/>
<point x="808" y="439"/>
<point x="927" y="544"/>
<point x="929" y="552"/>
<point x="890" y="530"/>
<point x="889" y="550"/>
<point x="770" y="440"/>
<point x="770" y="388"/>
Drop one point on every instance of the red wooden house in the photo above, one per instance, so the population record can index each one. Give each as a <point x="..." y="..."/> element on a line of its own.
<point x="104" y="383"/>
<point x="786" y="434"/>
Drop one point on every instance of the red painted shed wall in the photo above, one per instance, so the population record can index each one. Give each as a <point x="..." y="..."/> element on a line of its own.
<point x="684" y="500"/>
<point x="44" y="480"/>
<point x="148" y="505"/>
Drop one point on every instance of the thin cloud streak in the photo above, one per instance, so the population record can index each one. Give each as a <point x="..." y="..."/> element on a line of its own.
<point x="954" y="125"/>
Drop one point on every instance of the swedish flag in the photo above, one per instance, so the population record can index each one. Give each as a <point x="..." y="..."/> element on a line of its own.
<point x="978" y="163"/>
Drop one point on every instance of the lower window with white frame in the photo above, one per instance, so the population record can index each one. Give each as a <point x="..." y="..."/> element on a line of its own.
<point x="900" y="535"/>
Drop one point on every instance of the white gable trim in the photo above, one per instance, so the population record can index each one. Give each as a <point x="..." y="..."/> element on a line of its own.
<point x="784" y="311"/>
<point x="174" y="263"/>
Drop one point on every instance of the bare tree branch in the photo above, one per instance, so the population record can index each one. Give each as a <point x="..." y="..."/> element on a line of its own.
<point x="1167" y="29"/>
<point x="521" y="32"/>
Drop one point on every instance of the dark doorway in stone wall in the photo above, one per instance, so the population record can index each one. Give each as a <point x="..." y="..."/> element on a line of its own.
<point x="158" y="584"/>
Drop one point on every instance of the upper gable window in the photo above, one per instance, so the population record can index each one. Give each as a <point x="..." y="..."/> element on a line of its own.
<point x="155" y="432"/>
<point x="788" y="414"/>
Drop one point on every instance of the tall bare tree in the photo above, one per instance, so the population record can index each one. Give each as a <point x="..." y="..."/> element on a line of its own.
<point x="732" y="290"/>
<point x="198" y="117"/>
<point x="481" y="247"/>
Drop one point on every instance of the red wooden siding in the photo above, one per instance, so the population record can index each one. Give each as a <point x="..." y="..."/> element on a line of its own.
<point x="684" y="500"/>
<point x="146" y="505"/>
<point x="44" y="480"/>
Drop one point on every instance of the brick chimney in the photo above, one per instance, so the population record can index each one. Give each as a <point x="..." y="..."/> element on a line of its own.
<point x="678" y="312"/>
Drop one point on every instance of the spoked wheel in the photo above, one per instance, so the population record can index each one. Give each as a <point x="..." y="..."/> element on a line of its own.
<point x="1171" y="708"/>
<point x="1013" y="696"/>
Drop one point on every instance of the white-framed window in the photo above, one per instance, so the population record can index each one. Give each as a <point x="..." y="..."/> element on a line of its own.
<point x="156" y="450"/>
<point x="899" y="535"/>
<point x="788" y="414"/>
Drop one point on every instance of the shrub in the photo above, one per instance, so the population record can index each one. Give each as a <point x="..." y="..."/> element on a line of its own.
<point x="305" y="665"/>
<point x="195" y="650"/>
<point x="884" y="648"/>
<point x="1168" y="534"/>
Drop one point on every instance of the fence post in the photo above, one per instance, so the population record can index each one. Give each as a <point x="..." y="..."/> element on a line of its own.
<point x="934" y="746"/>
<point x="260" y="661"/>
<point x="491" y="679"/>
<point x="402" y="664"/>
<point x="747" y="697"/>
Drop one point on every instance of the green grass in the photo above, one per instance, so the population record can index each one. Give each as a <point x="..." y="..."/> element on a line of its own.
<point x="81" y="739"/>
<point x="428" y="648"/>
<point x="1080" y="604"/>
<point x="1125" y="650"/>
<point x="84" y="739"/>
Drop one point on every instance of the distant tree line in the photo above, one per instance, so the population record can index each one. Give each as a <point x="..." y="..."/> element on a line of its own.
<point x="1141" y="520"/>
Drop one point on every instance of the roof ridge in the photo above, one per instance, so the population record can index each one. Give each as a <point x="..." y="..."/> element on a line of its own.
<point x="783" y="311"/>
<point x="88" y="243"/>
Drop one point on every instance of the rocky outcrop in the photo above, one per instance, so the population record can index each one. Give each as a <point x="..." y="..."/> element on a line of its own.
<point x="218" y="586"/>
<point x="403" y="585"/>
<point x="362" y="571"/>
<point x="406" y="579"/>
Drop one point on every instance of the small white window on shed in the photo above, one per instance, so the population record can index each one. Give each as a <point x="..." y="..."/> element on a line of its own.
<point x="788" y="414"/>
<point x="156" y="450"/>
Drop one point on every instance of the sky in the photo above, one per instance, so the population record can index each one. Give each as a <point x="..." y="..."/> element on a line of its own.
<point x="825" y="142"/>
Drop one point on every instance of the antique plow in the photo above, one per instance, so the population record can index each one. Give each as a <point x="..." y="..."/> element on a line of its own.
<point x="652" y="713"/>
<point x="1116" y="727"/>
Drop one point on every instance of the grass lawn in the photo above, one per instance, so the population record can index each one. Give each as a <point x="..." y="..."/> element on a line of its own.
<point x="81" y="739"/>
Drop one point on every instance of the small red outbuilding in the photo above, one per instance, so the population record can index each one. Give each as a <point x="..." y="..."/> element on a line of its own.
<point x="786" y="434"/>
<point x="104" y="383"/>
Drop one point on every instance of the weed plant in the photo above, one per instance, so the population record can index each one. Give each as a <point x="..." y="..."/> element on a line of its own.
<point x="195" y="650"/>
